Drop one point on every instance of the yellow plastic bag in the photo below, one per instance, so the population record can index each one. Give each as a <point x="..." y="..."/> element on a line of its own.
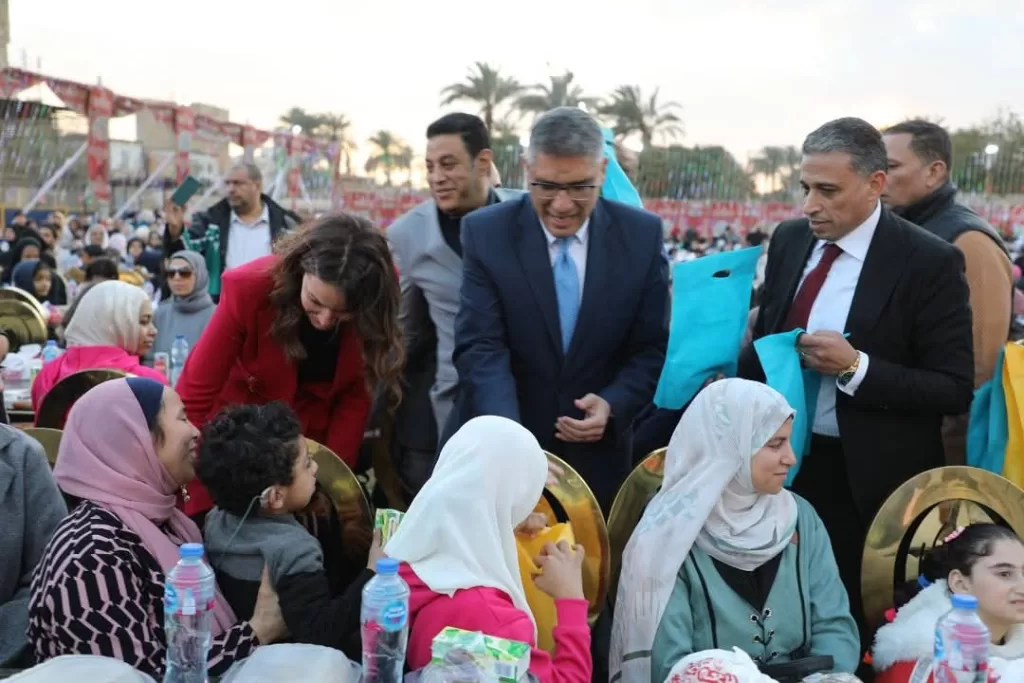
<point x="542" y="605"/>
<point x="1013" y="388"/>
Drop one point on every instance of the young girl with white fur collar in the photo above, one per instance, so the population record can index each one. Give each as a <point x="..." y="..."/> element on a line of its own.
<point x="983" y="560"/>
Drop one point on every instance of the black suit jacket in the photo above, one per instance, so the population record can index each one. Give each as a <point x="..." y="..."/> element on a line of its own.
<point x="508" y="348"/>
<point x="911" y="315"/>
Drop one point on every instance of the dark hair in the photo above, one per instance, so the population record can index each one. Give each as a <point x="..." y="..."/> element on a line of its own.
<point x="247" y="448"/>
<point x="930" y="141"/>
<point x="345" y="251"/>
<point x="93" y="250"/>
<point x="852" y="136"/>
<point x="973" y="543"/>
<point x="470" y="128"/>
<point x="102" y="267"/>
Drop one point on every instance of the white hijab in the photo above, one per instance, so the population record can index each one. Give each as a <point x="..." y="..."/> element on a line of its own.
<point x="707" y="499"/>
<point x="108" y="315"/>
<point x="459" y="531"/>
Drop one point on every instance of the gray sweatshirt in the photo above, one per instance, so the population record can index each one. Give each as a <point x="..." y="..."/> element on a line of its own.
<point x="279" y="541"/>
<point x="31" y="507"/>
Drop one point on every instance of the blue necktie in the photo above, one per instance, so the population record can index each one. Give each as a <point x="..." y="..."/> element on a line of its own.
<point x="567" y="290"/>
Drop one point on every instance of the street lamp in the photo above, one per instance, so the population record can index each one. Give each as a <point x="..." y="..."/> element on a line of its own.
<point x="296" y="130"/>
<point x="991" y="150"/>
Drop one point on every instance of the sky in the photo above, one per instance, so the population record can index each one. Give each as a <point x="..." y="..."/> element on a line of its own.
<point x="745" y="74"/>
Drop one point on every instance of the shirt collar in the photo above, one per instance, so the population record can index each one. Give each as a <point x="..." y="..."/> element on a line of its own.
<point x="581" y="234"/>
<point x="856" y="243"/>
<point x="264" y="216"/>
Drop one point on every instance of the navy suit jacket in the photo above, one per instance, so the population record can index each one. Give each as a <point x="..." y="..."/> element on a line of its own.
<point x="508" y="349"/>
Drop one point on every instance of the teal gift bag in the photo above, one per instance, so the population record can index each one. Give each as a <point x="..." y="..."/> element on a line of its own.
<point x="783" y="372"/>
<point x="617" y="186"/>
<point x="988" y="430"/>
<point x="710" y="303"/>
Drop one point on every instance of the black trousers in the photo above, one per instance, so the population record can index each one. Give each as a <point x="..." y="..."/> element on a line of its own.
<point x="823" y="482"/>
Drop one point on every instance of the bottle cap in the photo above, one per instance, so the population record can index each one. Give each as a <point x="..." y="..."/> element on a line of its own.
<point x="179" y="336"/>
<point x="51" y="342"/>
<point x="386" y="565"/>
<point x="962" y="601"/>
<point x="190" y="551"/>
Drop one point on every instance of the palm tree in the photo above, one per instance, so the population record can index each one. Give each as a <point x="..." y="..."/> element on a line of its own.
<point x="769" y="163"/>
<point x="561" y="93"/>
<point x="297" y="116"/>
<point x="486" y="86"/>
<point x="335" y="127"/>
<point x="391" y="154"/>
<point x="635" y="113"/>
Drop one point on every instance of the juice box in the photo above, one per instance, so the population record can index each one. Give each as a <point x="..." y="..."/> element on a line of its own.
<point x="387" y="521"/>
<point x="507" y="660"/>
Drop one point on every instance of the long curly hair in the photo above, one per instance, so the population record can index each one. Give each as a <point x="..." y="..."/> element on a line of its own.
<point x="347" y="252"/>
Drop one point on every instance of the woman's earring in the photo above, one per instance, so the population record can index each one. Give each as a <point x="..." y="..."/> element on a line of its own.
<point x="184" y="494"/>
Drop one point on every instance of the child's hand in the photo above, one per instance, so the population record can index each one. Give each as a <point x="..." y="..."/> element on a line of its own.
<point x="376" y="551"/>
<point x="562" y="568"/>
<point x="535" y="523"/>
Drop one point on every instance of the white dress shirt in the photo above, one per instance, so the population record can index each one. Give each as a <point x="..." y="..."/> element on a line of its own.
<point x="577" y="250"/>
<point x="248" y="242"/>
<point x="831" y="309"/>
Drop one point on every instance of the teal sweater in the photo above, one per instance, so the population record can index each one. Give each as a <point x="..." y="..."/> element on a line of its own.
<point x="807" y="612"/>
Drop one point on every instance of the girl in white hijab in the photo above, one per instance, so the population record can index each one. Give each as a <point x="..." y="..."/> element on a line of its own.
<point x="458" y="550"/>
<point x="722" y="519"/>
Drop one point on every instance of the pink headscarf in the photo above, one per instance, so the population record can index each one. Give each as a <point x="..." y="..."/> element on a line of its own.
<point x="107" y="457"/>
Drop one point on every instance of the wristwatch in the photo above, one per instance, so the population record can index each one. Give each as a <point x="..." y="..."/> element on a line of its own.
<point x="846" y="375"/>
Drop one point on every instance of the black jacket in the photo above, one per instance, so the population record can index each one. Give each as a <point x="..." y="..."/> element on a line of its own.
<point x="940" y="214"/>
<point x="911" y="315"/>
<point x="281" y="221"/>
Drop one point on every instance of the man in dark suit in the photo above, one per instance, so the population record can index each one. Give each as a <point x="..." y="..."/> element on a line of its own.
<point x="563" y="321"/>
<point x="900" y="295"/>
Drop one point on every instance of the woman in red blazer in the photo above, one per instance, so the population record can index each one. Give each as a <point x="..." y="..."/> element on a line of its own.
<point x="314" y="326"/>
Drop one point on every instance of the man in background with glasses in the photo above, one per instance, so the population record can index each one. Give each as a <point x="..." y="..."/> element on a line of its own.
<point x="563" y="318"/>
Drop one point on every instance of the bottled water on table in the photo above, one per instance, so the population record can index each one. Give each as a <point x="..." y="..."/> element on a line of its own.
<point x="179" y="353"/>
<point x="961" y="644"/>
<point x="189" y="595"/>
<point x="50" y="351"/>
<point x="385" y="624"/>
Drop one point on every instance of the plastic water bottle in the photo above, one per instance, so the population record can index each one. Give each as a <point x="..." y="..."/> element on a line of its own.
<point x="179" y="352"/>
<point x="189" y="595"/>
<point x="385" y="624"/>
<point x="961" y="644"/>
<point x="50" y="351"/>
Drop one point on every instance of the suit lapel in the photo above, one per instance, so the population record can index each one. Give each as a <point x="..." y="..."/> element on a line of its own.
<point x="535" y="259"/>
<point x="594" y="299"/>
<point x="435" y="245"/>
<point x="878" y="277"/>
<point x="792" y="271"/>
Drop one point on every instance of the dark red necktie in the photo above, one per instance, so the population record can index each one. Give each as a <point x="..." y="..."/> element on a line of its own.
<point x="800" y="311"/>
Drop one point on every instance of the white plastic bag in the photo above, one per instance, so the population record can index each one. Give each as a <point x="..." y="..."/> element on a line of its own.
<point x="292" y="662"/>
<point x="81" y="668"/>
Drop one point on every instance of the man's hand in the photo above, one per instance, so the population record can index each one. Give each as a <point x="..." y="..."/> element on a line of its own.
<point x="589" y="429"/>
<point x="174" y="215"/>
<point x="826" y="352"/>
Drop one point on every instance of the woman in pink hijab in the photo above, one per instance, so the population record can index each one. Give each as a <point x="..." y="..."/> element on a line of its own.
<point x="127" y="450"/>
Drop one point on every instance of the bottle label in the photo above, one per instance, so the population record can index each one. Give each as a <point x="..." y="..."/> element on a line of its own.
<point x="170" y="598"/>
<point x="394" y="615"/>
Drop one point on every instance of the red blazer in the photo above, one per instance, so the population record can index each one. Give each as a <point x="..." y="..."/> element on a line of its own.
<point x="236" y="361"/>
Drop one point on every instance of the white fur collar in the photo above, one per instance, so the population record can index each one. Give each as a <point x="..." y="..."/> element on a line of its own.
<point x="911" y="636"/>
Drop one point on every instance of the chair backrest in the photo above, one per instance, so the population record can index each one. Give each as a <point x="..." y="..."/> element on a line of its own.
<point x="23" y="315"/>
<point x="49" y="439"/>
<point x="569" y="499"/>
<point x="339" y="516"/>
<point x="921" y="512"/>
<point x="58" y="400"/>
<point x="629" y="505"/>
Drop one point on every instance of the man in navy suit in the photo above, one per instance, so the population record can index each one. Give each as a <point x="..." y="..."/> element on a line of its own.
<point x="563" y="318"/>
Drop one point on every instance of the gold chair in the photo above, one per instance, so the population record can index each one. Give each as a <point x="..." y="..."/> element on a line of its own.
<point x="339" y="515"/>
<point x="23" y="315"/>
<point x="571" y="500"/>
<point x="58" y="401"/>
<point x="629" y="505"/>
<point x="921" y="512"/>
<point x="49" y="439"/>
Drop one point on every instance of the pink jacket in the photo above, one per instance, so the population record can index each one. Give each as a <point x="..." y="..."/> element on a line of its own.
<point x="88" y="358"/>
<point x="491" y="611"/>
